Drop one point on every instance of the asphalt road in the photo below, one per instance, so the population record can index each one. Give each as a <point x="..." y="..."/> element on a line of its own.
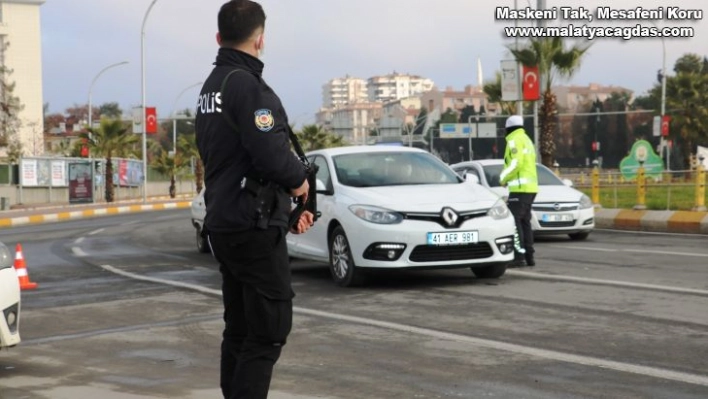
<point x="127" y="309"/>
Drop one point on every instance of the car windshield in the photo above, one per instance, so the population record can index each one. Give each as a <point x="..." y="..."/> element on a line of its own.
<point x="545" y="176"/>
<point x="376" y="169"/>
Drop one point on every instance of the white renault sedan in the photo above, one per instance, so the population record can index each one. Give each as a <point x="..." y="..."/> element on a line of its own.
<point x="397" y="207"/>
<point x="557" y="209"/>
<point x="9" y="301"/>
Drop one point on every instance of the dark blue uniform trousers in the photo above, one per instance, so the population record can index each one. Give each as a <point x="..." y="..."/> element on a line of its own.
<point x="258" y="307"/>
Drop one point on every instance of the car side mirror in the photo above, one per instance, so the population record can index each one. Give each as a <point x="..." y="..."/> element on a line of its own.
<point x="471" y="178"/>
<point x="568" y="182"/>
<point x="320" y="186"/>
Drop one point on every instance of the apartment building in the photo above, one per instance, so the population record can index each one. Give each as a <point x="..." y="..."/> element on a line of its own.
<point x="355" y="121"/>
<point x="396" y="86"/>
<point x="570" y="98"/>
<point x="21" y="52"/>
<point x="456" y="100"/>
<point x="343" y="91"/>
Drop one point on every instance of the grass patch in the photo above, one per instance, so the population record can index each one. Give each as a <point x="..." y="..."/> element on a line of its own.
<point x="658" y="196"/>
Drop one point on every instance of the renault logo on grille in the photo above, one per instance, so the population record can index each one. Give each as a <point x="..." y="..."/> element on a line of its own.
<point x="450" y="216"/>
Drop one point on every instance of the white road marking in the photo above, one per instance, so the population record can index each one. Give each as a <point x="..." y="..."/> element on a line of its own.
<point x="656" y="233"/>
<point x="96" y="232"/>
<point x="589" y="248"/>
<point x="486" y="343"/>
<point x="639" y="251"/>
<point x="78" y="252"/>
<point x="623" y="284"/>
<point x="670" y="253"/>
<point x="79" y="240"/>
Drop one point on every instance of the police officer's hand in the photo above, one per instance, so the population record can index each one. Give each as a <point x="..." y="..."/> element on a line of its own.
<point x="306" y="221"/>
<point x="301" y="191"/>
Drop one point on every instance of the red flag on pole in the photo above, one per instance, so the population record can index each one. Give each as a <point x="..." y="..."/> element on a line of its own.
<point x="532" y="83"/>
<point x="150" y="120"/>
<point x="665" y="125"/>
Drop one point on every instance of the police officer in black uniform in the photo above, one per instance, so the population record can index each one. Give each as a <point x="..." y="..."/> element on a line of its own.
<point x="251" y="176"/>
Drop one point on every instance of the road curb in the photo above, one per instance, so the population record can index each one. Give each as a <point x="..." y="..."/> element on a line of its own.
<point x="88" y="213"/>
<point x="655" y="221"/>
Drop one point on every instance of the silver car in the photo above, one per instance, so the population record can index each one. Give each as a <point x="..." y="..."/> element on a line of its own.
<point x="558" y="207"/>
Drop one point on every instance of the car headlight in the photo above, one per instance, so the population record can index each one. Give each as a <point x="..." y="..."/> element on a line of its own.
<point x="375" y="214"/>
<point x="499" y="211"/>
<point x="5" y="257"/>
<point x="585" y="202"/>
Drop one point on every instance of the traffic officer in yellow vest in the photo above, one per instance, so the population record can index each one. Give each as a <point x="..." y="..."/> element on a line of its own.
<point x="519" y="175"/>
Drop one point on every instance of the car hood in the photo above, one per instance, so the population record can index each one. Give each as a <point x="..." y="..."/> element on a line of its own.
<point x="424" y="198"/>
<point x="549" y="194"/>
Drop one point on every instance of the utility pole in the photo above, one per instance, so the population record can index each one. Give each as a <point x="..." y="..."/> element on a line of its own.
<point x="519" y="102"/>
<point x="541" y="5"/>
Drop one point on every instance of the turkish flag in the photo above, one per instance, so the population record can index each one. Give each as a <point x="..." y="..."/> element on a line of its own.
<point x="150" y="120"/>
<point x="532" y="83"/>
<point x="665" y="125"/>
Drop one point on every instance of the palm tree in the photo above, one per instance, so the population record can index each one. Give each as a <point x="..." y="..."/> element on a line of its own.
<point x="553" y="60"/>
<point x="187" y="148"/>
<point x="312" y="137"/>
<point x="109" y="140"/>
<point x="167" y="165"/>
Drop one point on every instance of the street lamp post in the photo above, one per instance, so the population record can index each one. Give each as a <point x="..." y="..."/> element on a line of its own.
<point x="596" y="145"/>
<point x="90" y="105"/>
<point x="142" y="81"/>
<point x="174" y="117"/>
<point x="476" y="130"/>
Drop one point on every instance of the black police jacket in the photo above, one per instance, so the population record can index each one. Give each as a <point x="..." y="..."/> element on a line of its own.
<point x="260" y="147"/>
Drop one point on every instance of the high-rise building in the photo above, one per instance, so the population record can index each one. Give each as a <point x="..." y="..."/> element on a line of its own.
<point x="396" y="86"/>
<point x="21" y="53"/>
<point x="343" y="91"/>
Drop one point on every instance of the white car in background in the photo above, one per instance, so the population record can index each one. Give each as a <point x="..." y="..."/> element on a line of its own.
<point x="557" y="209"/>
<point x="198" y="210"/>
<point x="402" y="208"/>
<point x="9" y="300"/>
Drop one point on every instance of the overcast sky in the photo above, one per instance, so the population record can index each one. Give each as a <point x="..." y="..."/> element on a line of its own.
<point x="309" y="42"/>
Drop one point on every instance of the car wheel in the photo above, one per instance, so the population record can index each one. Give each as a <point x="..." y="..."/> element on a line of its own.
<point x="202" y="241"/>
<point x="493" y="271"/>
<point x="341" y="262"/>
<point x="579" y="236"/>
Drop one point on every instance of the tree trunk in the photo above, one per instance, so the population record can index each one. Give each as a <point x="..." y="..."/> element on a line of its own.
<point x="199" y="175"/>
<point x="547" y="122"/>
<point x="173" y="188"/>
<point x="109" y="180"/>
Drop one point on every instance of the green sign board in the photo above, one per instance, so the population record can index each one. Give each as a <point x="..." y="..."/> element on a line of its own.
<point x="642" y="153"/>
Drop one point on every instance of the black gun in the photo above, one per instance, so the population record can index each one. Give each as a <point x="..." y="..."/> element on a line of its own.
<point x="311" y="204"/>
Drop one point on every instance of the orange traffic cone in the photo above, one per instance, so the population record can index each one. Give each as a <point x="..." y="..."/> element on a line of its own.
<point x="21" y="269"/>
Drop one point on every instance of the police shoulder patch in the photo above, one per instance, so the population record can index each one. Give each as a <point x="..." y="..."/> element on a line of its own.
<point x="264" y="120"/>
<point x="514" y="150"/>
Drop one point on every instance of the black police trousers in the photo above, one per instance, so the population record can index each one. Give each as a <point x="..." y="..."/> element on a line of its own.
<point x="258" y="308"/>
<point x="520" y="206"/>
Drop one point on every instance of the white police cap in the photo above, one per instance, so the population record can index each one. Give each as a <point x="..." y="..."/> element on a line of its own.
<point x="514" y="120"/>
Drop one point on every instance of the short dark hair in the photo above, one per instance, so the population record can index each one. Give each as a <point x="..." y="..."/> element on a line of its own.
<point x="238" y="19"/>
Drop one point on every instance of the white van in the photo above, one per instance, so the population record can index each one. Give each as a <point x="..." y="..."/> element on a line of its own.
<point x="9" y="301"/>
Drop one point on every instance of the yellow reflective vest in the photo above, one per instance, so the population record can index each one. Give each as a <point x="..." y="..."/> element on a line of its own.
<point x="519" y="172"/>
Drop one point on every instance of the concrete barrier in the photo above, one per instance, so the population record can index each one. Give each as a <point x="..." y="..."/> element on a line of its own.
<point x="37" y="216"/>
<point x="657" y="221"/>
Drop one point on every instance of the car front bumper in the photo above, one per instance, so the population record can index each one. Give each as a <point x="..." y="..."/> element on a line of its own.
<point x="364" y="238"/>
<point x="583" y="220"/>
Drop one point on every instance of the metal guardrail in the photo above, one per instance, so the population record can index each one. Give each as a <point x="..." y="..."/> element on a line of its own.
<point x="671" y="190"/>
